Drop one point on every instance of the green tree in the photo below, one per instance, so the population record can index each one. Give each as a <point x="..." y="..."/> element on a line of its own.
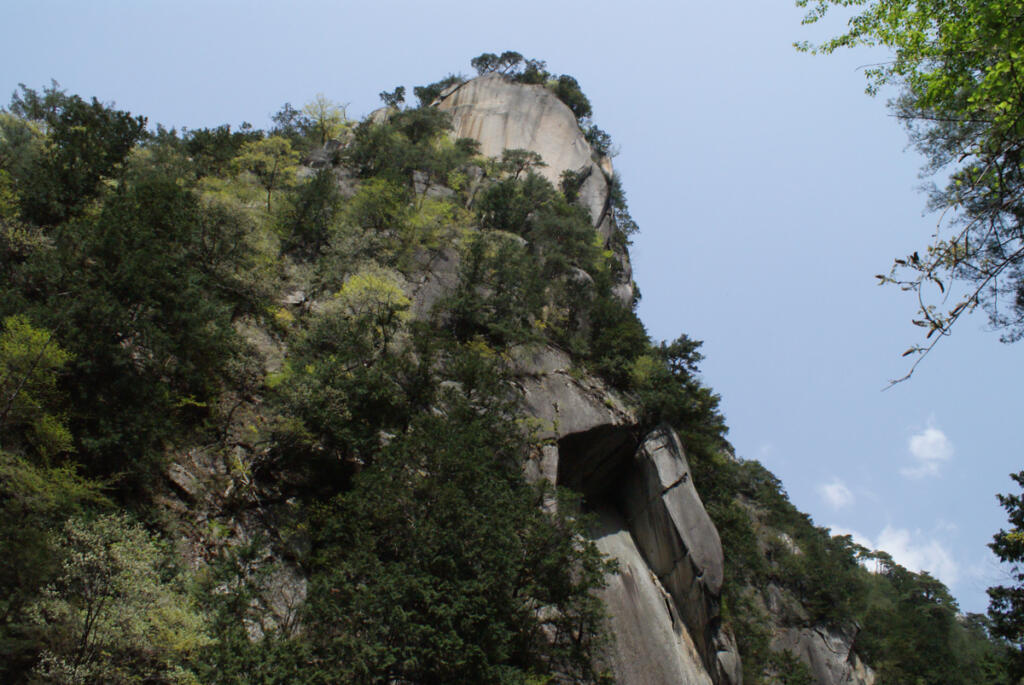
<point x="394" y="99"/>
<point x="143" y="294"/>
<point x="1006" y="602"/>
<point x="113" y="613"/>
<point x="347" y="381"/>
<point x="440" y="565"/>
<point x="34" y="500"/>
<point x="428" y="93"/>
<point x="959" y="68"/>
<point x="327" y="118"/>
<point x="271" y="160"/>
<point x="84" y="143"/>
<point x="210" y="150"/>
<point x="311" y="214"/>
<point x="30" y="359"/>
<point x="292" y="124"/>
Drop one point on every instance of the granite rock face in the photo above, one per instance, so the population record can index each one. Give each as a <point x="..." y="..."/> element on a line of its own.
<point x="680" y="543"/>
<point x="828" y="652"/>
<point x="664" y="604"/>
<point x="503" y="115"/>
<point x="652" y="644"/>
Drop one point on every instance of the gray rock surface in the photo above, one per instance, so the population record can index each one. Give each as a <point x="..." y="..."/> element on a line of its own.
<point x="676" y="536"/>
<point x="829" y="654"/>
<point x="564" y="400"/>
<point x="504" y="115"/>
<point x="651" y="644"/>
<point x="437" y="276"/>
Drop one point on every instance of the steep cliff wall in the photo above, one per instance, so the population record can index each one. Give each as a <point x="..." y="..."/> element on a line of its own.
<point x="665" y="604"/>
<point x="321" y="397"/>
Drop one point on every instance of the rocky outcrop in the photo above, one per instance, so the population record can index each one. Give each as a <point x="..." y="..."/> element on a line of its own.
<point x="503" y="115"/>
<point x="651" y="644"/>
<point x="664" y="603"/>
<point x="828" y="653"/>
<point x="677" y="538"/>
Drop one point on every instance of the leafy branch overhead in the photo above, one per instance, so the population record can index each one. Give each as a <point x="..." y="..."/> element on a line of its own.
<point x="959" y="71"/>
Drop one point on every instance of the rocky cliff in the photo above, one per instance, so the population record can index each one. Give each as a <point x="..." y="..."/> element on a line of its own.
<point x="386" y="414"/>
<point x="664" y="605"/>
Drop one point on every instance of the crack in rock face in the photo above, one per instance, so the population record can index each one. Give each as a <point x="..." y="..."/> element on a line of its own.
<point x="828" y="652"/>
<point x="643" y="487"/>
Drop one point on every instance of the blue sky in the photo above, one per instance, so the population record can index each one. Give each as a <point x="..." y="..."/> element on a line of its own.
<point x="769" y="190"/>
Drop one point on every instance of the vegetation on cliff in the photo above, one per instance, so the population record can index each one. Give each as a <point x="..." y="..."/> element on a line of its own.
<point x="245" y="297"/>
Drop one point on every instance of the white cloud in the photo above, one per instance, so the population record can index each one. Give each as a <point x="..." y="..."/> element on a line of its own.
<point x="930" y="449"/>
<point x="910" y="550"/>
<point x="917" y="554"/>
<point x="836" y="494"/>
<point x="857" y="537"/>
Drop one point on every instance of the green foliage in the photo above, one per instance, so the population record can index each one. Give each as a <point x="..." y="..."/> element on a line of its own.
<point x="211" y="151"/>
<point x="427" y="94"/>
<point x="379" y="205"/>
<point x="568" y="91"/>
<point x="508" y="62"/>
<point x="407" y="141"/>
<point x="116" y="611"/>
<point x="822" y="572"/>
<point x="441" y="566"/>
<point x="394" y="99"/>
<point x="956" y="66"/>
<point x="85" y="143"/>
<point x="624" y="224"/>
<point x="1006" y="603"/>
<point x="557" y="280"/>
<point x="500" y="290"/>
<point x="617" y="341"/>
<point x="327" y="119"/>
<point x="787" y="669"/>
<point x="142" y="294"/>
<point x="387" y="451"/>
<point x="668" y="389"/>
<point x="348" y="382"/>
<point x="271" y="160"/>
<point x="290" y="123"/>
<point x="912" y="631"/>
<point x="311" y="214"/>
<point x="34" y="499"/>
<point x="600" y="141"/>
<point x="30" y="360"/>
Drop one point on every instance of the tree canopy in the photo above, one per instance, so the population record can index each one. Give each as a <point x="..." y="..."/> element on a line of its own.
<point x="1006" y="603"/>
<point x="958" y="65"/>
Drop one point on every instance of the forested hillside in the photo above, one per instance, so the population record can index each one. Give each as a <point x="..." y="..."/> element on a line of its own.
<point x="260" y="419"/>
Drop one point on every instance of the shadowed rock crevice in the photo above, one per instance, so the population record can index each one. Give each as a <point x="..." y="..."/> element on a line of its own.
<point x="593" y="463"/>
